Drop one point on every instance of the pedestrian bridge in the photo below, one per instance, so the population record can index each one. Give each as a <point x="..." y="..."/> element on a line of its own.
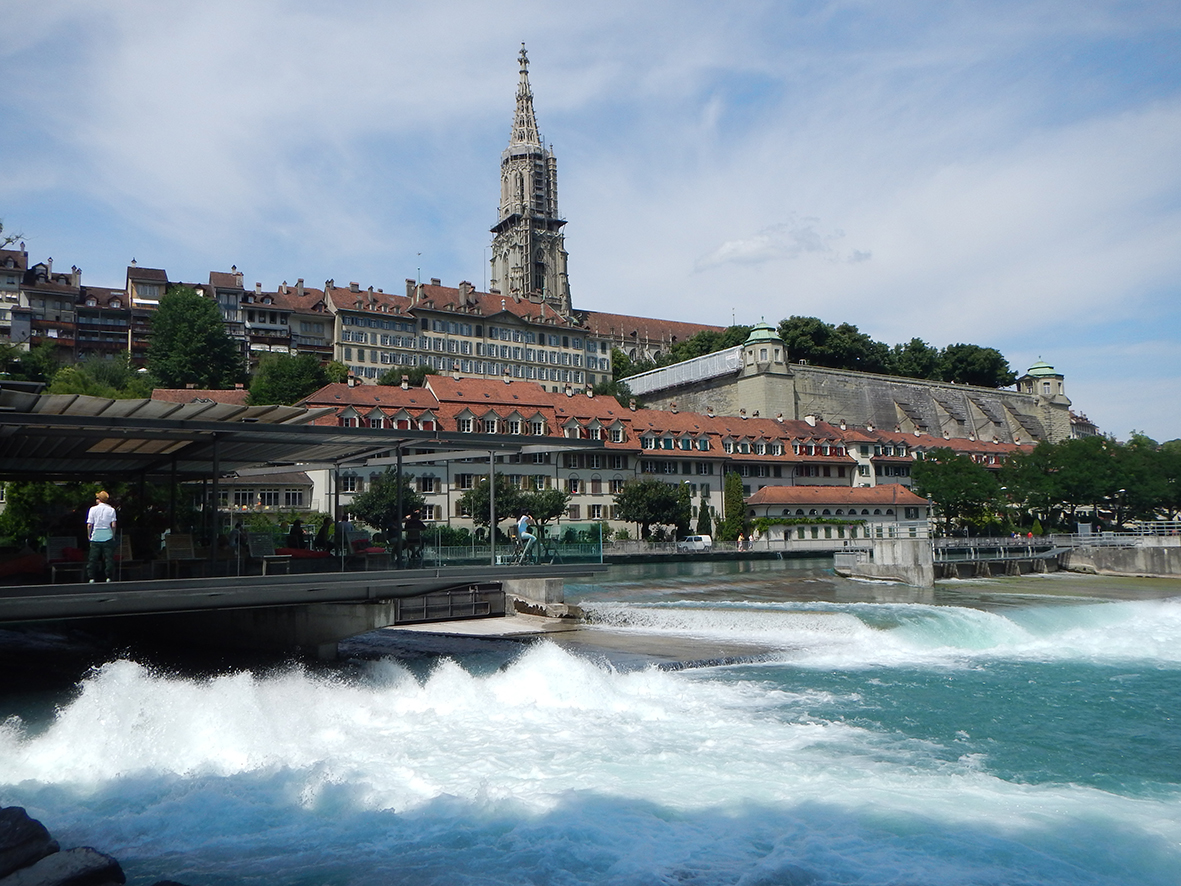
<point x="310" y="612"/>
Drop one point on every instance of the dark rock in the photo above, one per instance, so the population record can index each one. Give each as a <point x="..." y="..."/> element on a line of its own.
<point x="23" y="840"/>
<point x="74" y="867"/>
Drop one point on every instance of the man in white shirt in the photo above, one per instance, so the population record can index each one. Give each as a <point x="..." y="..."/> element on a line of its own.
<point x="100" y="529"/>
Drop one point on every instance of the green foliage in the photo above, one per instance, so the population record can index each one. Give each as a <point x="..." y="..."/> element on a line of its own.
<point x="477" y="501"/>
<point x="622" y="366"/>
<point x="286" y="379"/>
<point x="113" y="377"/>
<point x="37" y="509"/>
<point x="704" y="518"/>
<point x="974" y="365"/>
<point x="650" y="502"/>
<point x="839" y="347"/>
<point x="616" y="388"/>
<point x="965" y="493"/>
<point x="733" y="508"/>
<point x="378" y="505"/>
<point x="704" y="342"/>
<point x="543" y="504"/>
<point x="415" y="376"/>
<point x="915" y="359"/>
<point x="846" y="347"/>
<point x="622" y="535"/>
<point x="684" y="509"/>
<point x="189" y="344"/>
<point x="39" y="363"/>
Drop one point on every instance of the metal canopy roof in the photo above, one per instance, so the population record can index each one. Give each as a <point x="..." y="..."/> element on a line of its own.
<point x="59" y="437"/>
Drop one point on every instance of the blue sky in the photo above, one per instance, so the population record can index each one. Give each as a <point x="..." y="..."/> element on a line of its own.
<point x="999" y="173"/>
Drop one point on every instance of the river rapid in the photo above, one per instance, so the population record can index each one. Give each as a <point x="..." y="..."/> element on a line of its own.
<point x="1009" y="731"/>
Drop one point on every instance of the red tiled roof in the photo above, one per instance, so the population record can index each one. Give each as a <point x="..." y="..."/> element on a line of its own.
<point x="643" y="328"/>
<point x="385" y="396"/>
<point x="235" y="397"/>
<point x="888" y="494"/>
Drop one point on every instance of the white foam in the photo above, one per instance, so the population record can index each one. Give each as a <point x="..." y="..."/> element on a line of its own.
<point x="255" y="774"/>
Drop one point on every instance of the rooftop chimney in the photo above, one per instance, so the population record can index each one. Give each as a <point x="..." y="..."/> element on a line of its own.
<point x="672" y="407"/>
<point x="631" y="404"/>
<point x="354" y="286"/>
<point x="405" y="383"/>
<point x="410" y="287"/>
<point x="810" y="419"/>
<point x="258" y="289"/>
<point x="435" y="281"/>
<point x="299" y="287"/>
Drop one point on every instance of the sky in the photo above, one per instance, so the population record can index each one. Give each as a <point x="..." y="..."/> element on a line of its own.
<point x="1000" y="173"/>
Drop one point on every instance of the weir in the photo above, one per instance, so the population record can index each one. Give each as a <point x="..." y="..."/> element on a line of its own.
<point x="310" y="612"/>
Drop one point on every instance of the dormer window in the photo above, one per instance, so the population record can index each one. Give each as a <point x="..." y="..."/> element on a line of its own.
<point x="116" y="303"/>
<point x="728" y="445"/>
<point x="92" y="302"/>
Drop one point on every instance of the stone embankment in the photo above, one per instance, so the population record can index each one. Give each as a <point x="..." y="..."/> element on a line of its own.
<point x="1150" y="558"/>
<point x="29" y="856"/>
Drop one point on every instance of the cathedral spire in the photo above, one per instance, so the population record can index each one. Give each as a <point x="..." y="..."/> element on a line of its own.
<point x="528" y="249"/>
<point x="525" y="121"/>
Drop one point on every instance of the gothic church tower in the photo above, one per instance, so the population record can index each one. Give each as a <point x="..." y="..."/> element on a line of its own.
<point x="528" y="248"/>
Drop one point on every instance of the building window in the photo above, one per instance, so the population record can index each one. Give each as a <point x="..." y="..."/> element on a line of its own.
<point x="574" y="512"/>
<point x="293" y="498"/>
<point x="426" y="484"/>
<point x="349" y="483"/>
<point x="464" y="425"/>
<point x="464" y="481"/>
<point x="268" y="498"/>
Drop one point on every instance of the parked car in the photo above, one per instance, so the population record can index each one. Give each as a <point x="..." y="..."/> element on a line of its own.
<point x="692" y="544"/>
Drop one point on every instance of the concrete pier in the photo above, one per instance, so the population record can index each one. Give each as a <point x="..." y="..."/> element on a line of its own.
<point x="907" y="560"/>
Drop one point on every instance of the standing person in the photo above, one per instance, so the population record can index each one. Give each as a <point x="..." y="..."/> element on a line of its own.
<point x="414" y="529"/>
<point x="100" y="529"/>
<point x="741" y="540"/>
<point x="528" y="539"/>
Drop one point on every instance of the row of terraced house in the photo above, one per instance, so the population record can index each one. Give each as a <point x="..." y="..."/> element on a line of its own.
<point x="788" y="467"/>
<point x="449" y="329"/>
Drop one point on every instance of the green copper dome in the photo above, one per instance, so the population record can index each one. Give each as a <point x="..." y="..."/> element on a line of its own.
<point x="1042" y="368"/>
<point x="762" y="332"/>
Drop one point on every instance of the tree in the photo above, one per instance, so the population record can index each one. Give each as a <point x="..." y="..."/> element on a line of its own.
<point x="286" y="379"/>
<point x="648" y="502"/>
<point x="964" y="492"/>
<point x="189" y="344"/>
<point x="378" y="505"/>
<point x="7" y="240"/>
<point x="544" y="504"/>
<point x="684" y="509"/>
<point x="704" y="342"/>
<point x="337" y="372"/>
<point x="838" y="347"/>
<point x="415" y="376"/>
<point x="477" y="501"/>
<point x="704" y="518"/>
<point x="733" y="508"/>
<point x="39" y="363"/>
<point x="616" y="388"/>
<point x="915" y="359"/>
<point x="974" y="365"/>
<point x="622" y="366"/>
<point x="112" y="377"/>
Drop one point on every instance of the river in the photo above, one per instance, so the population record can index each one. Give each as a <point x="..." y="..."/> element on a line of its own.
<point x="1003" y="731"/>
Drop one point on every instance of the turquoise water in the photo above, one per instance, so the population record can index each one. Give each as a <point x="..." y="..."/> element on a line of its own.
<point x="1022" y="731"/>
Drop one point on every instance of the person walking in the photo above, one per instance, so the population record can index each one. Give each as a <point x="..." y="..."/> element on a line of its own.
<point x="100" y="529"/>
